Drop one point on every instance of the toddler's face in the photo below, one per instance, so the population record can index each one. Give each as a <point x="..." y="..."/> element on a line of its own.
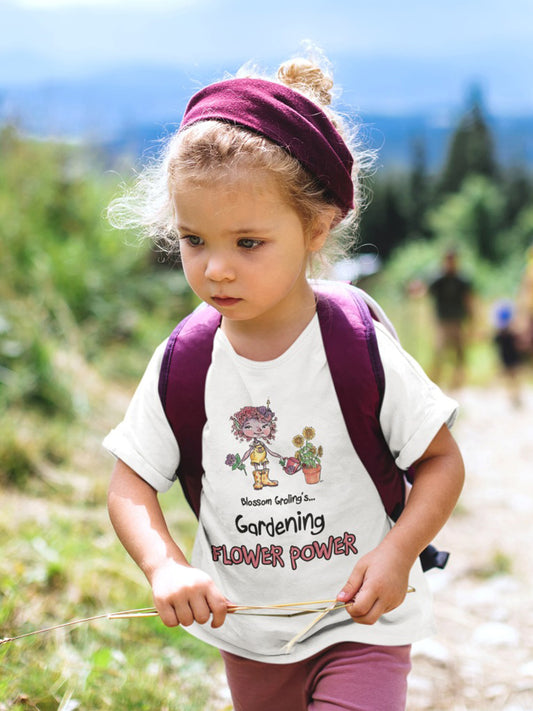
<point x="244" y="249"/>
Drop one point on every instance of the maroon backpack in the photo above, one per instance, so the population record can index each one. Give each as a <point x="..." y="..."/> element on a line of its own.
<point x="348" y="333"/>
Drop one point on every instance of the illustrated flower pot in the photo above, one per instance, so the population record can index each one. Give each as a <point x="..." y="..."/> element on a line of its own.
<point x="312" y="474"/>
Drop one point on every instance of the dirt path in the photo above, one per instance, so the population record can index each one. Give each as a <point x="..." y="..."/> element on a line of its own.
<point x="482" y="657"/>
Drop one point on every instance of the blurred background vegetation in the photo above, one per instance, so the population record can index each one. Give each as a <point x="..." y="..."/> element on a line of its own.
<point x="81" y="310"/>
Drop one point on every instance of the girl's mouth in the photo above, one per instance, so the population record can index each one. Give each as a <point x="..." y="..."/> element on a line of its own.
<point x="225" y="301"/>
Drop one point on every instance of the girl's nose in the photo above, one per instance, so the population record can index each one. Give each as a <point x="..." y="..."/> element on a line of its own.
<point x="219" y="267"/>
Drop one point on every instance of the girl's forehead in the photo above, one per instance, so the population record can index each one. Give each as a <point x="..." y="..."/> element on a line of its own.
<point x="239" y="203"/>
<point x="256" y="182"/>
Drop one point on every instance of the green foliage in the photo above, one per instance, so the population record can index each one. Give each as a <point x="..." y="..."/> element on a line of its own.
<point x="58" y="249"/>
<point x="473" y="217"/>
<point x="519" y="237"/>
<point x="419" y="194"/>
<point x="384" y="221"/>
<point x="72" y="293"/>
<point x="420" y="261"/>
<point x="471" y="201"/>
<point x="16" y="463"/>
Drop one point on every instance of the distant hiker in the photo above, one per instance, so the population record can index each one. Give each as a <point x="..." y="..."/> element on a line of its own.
<point x="509" y="348"/>
<point x="452" y="297"/>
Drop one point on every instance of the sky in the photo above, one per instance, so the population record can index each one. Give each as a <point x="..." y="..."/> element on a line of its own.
<point x="421" y="46"/>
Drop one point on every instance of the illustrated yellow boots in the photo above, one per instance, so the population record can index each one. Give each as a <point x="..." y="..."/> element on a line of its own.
<point x="265" y="481"/>
<point x="258" y="484"/>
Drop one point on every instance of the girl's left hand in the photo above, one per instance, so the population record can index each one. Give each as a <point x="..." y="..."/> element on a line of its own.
<point x="378" y="584"/>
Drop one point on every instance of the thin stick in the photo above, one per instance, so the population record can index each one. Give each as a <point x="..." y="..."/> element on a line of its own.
<point x="107" y="615"/>
<point x="335" y="605"/>
<point x="131" y="614"/>
<point x="290" y="644"/>
<point x="51" y="629"/>
<point x="235" y="608"/>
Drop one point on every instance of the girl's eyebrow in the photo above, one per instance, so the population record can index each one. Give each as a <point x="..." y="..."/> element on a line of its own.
<point x="238" y="232"/>
<point x="259" y="230"/>
<point x="185" y="230"/>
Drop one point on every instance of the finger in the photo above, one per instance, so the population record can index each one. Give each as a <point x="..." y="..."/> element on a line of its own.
<point x="184" y="613"/>
<point x="352" y="586"/>
<point x="219" y="608"/>
<point x="167" y="614"/>
<point x="369" y="617"/>
<point x="200" y="609"/>
<point x="363" y="603"/>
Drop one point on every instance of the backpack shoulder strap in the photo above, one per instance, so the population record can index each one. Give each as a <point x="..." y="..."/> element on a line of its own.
<point x="353" y="356"/>
<point x="346" y="316"/>
<point x="182" y="392"/>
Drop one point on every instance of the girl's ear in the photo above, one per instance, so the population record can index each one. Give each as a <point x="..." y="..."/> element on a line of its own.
<point x="320" y="228"/>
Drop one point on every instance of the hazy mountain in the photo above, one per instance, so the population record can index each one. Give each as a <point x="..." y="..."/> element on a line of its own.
<point x="129" y="108"/>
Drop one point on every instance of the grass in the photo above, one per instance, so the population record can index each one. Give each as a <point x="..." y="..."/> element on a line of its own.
<point x="62" y="561"/>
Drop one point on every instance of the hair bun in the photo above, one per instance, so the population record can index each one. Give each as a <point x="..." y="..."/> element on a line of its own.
<point x="309" y="78"/>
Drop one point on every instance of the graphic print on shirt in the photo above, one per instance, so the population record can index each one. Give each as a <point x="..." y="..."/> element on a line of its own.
<point x="257" y="427"/>
<point x="282" y="527"/>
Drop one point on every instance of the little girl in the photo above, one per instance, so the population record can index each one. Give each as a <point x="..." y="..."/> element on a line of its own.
<point x="254" y="185"/>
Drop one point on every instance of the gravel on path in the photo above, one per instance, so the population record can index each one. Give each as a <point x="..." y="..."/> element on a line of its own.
<point x="481" y="658"/>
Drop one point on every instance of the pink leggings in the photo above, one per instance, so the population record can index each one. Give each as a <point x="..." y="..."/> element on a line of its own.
<point x="350" y="676"/>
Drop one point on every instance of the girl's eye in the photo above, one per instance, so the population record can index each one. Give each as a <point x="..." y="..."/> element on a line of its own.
<point x="192" y="240"/>
<point x="248" y="243"/>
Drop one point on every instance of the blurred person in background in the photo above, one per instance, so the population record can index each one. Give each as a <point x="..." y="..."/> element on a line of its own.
<point x="509" y="348"/>
<point x="452" y="296"/>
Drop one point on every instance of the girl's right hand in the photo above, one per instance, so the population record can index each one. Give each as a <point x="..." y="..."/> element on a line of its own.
<point x="183" y="595"/>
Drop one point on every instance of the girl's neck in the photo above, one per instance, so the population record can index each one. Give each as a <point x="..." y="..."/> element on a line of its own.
<point x="266" y="340"/>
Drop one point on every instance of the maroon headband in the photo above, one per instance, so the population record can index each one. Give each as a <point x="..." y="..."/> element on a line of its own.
<point x="287" y="118"/>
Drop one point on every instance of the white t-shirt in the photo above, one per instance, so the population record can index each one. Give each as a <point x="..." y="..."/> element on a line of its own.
<point x="294" y="540"/>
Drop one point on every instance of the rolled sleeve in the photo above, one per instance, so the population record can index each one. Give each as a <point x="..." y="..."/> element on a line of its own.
<point x="144" y="439"/>
<point x="414" y="408"/>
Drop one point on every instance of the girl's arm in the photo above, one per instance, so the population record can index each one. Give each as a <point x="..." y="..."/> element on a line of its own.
<point x="182" y="594"/>
<point x="247" y="454"/>
<point x="380" y="579"/>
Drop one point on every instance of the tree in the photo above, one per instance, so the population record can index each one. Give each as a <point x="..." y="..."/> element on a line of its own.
<point x="471" y="149"/>
<point x="383" y="223"/>
<point x="518" y="189"/>
<point x="473" y="216"/>
<point x="419" y="191"/>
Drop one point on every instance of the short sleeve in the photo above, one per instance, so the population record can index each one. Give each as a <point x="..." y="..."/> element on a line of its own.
<point x="144" y="439"/>
<point x="414" y="408"/>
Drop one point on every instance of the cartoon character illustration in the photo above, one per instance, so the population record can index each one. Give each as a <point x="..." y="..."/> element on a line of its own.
<point x="256" y="425"/>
